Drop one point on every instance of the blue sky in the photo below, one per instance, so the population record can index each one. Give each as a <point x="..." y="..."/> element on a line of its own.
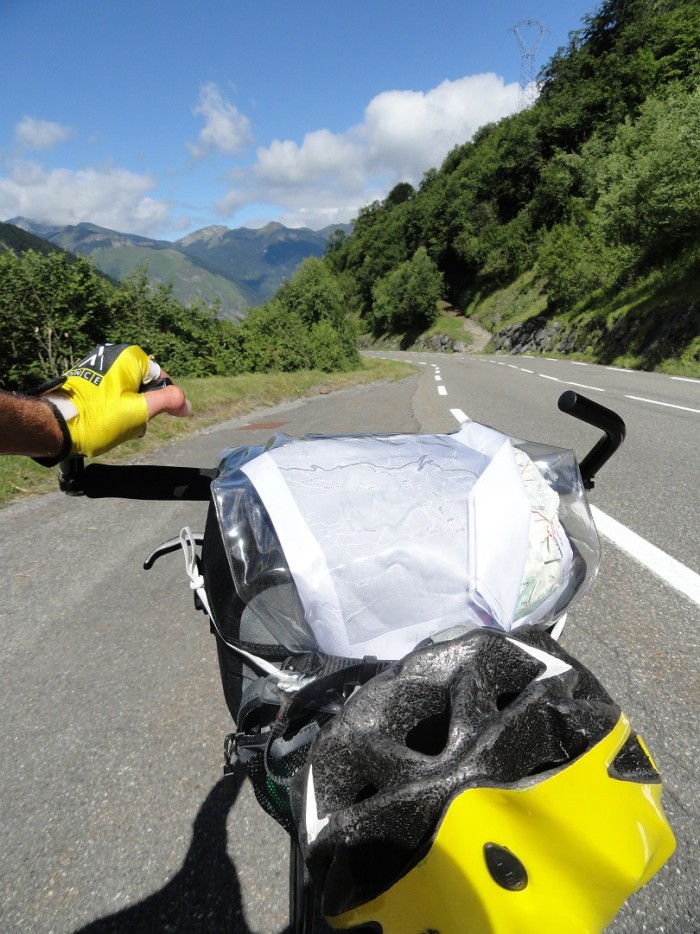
<point x="160" y="117"/>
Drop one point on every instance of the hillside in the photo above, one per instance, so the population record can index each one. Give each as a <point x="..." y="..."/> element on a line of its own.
<point x="19" y="241"/>
<point x="261" y="260"/>
<point x="237" y="268"/>
<point x="574" y="224"/>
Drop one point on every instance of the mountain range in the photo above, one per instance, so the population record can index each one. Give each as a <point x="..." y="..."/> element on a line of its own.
<point x="240" y="268"/>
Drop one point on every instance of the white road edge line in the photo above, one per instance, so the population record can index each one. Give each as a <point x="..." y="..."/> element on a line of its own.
<point x="460" y="416"/>
<point x="442" y="391"/>
<point x="668" y="405"/>
<point x="686" y="379"/>
<point x="675" y="574"/>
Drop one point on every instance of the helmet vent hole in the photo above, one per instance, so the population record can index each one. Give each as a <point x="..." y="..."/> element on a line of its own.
<point x="367" y="791"/>
<point x="506" y="698"/>
<point x="429" y="736"/>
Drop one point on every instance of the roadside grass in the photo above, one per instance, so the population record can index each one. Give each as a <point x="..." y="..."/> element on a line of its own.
<point x="522" y="299"/>
<point x="652" y="324"/>
<point x="214" y="399"/>
<point x="450" y="322"/>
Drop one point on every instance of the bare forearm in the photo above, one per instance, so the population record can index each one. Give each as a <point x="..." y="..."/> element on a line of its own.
<point x="28" y="426"/>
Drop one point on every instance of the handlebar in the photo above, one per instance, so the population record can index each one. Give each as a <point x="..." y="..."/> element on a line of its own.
<point x="147" y="482"/>
<point x="154" y="482"/>
<point x="606" y="420"/>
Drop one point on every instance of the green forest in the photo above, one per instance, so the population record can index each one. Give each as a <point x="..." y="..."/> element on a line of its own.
<point x="577" y="219"/>
<point x="582" y="211"/>
<point x="55" y="307"/>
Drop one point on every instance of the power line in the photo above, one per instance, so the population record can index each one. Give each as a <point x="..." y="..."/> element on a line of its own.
<point x="529" y="34"/>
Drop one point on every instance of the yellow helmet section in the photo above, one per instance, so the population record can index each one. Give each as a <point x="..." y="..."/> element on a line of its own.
<point x="568" y="851"/>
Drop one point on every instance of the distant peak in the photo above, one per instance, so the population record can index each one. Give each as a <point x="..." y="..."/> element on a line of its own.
<point x="29" y="226"/>
<point x="205" y="233"/>
<point x="271" y="227"/>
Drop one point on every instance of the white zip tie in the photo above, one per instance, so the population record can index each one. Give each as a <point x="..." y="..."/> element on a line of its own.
<point x="558" y="628"/>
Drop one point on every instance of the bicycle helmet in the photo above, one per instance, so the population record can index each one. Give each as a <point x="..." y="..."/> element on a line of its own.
<point x="483" y="784"/>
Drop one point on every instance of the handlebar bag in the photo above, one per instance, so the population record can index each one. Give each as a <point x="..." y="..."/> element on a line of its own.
<point x="368" y="545"/>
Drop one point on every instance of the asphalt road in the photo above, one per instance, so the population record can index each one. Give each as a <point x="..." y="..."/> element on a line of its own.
<point x="112" y="811"/>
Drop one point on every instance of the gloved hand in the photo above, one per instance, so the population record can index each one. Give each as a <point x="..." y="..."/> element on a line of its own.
<point x="99" y="402"/>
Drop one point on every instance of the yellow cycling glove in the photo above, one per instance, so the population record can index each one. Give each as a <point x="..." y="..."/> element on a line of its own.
<point x="98" y="402"/>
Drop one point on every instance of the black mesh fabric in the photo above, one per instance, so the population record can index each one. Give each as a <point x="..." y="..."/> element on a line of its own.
<point x="270" y="777"/>
<point x="450" y="716"/>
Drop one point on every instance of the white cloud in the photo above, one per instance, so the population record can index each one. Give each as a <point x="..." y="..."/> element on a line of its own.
<point x="226" y="129"/>
<point x="110" y="197"/>
<point x="31" y="133"/>
<point x="408" y="132"/>
<point x="323" y="156"/>
<point x="329" y="176"/>
<point x="325" y="178"/>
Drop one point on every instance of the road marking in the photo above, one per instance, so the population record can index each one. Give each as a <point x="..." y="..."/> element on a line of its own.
<point x="527" y="371"/>
<point x="578" y="363"/>
<point x="553" y="378"/>
<point x="442" y="391"/>
<point x="668" y="405"/>
<point x="675" y="574"/>
<point x="513" y="366"/>
<point x="461" y="416"/>
<point x="438" y="378"/>
<point x="686" y="379"/>
<point x="618" y="369"/>
<point x="583" y="386"/>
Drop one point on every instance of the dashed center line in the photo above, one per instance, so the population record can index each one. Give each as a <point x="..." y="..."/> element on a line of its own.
<point x="668" y="405"/>
<point x="583" y="386"/>
<point x="566" y="382"/>
<point x="442" y="390"/>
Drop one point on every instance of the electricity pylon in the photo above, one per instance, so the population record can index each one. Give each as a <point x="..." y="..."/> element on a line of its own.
<point x="528" y="49"/>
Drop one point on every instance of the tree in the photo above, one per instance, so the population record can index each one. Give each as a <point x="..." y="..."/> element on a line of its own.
<point x="192" y="341"/>
<point x="53" y="309"/>
<point x="314" y="294"/>
<point x="315" y="297"/>
<point x="399" y="194"/>
<point x="274" y="338"/>
<point x="649" y="183"/>
<point x="407" y="297"/>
